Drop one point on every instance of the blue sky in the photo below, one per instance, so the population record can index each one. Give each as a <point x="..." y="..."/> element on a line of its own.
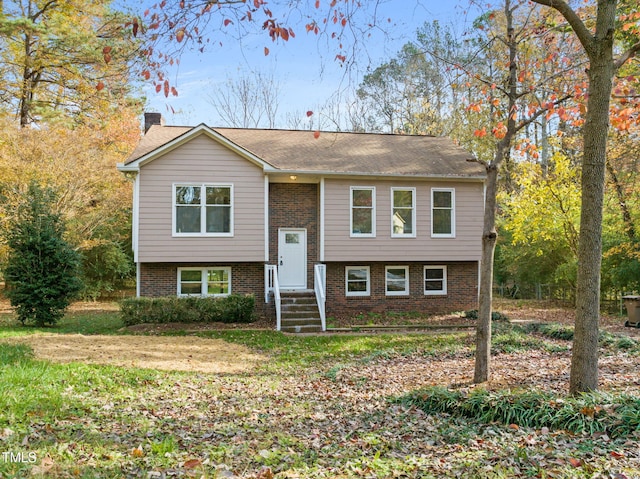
<point x="305" y="68"/>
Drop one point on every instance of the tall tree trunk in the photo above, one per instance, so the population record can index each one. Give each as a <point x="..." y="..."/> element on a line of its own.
<point x="482" y="370"/>
<point x="602" y="67"/>
<point x="584" y="358"/>
<point x="26" y="93"/>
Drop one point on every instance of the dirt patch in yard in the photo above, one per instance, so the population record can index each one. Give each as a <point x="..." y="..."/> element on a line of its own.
<point x="172" y="353"/>
<point x="554" y="312"/>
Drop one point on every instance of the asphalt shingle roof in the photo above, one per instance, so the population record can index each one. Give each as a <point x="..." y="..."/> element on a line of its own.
<point x="348" y="153"/>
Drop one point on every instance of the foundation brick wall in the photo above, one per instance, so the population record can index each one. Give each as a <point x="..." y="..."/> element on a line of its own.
<point x="462" y="292"/>
<point x="161" y="279"/>
<point x="294" y="205"/>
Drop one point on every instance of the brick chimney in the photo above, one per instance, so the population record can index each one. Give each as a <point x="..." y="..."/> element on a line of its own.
<point x="151" y="119"/>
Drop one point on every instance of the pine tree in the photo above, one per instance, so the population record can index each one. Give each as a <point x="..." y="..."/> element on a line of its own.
<point x="42" y="272"/>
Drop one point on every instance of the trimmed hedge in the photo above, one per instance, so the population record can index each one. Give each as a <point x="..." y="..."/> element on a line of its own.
<point x="234" y="308"/>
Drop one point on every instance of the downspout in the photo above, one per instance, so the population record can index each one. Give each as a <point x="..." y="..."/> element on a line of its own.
<point x="135" y="221"/>
<point x="321" y="220"/>
<point x="266" y="219"/>
<point x="135" y="224"/>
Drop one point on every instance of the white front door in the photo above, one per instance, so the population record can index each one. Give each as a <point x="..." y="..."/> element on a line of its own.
<point x="292" y="258"/>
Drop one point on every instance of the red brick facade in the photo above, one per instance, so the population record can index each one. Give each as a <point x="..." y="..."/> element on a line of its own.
<point x="462" y="292"/>
<point x="160" y="279"/>
<point x="294" y="205"/>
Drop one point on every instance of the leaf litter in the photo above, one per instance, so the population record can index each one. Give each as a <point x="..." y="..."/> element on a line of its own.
<point x="329" y="420"/>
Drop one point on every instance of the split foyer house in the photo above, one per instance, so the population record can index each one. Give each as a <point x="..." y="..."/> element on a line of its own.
<point x="367" y="222"/>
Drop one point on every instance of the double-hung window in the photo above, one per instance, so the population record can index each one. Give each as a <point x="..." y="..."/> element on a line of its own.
<point x="363" y="211"/>
<point x="203" y="210"/>
<point x="357" y="279"/>
<point x="213" y="281"/>
<point x="443" y="218"/>
<point x="397" y="280"/>
<point x="403" y="212"/>
<point x="435" y="280"/>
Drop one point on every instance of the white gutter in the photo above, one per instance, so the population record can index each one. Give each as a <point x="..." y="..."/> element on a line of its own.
<point x="377" y="175"/>
<point x="128" y="168"/>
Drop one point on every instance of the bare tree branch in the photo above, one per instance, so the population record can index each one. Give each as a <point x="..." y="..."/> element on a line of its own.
<point x="626" y="56"/>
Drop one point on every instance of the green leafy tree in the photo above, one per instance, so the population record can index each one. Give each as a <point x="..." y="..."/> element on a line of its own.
<point x="67" y="61"/>
<point x="541" y="221"/>
<point x="621" y="243"/>
<point x="42" y="270"/>
<point x="416" y="91"/>
<point x="105" y="267"/>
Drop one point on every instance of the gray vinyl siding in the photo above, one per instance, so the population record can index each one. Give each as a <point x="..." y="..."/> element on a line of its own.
<point x="340" y="246"/>
<point x="201" y="161"/>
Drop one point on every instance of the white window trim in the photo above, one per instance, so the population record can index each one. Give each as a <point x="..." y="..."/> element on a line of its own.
<point x="203" y="211"/>
<point x="413" y="216"/>
<point x="442" y="292"/>
<point x="397" y="293"/>
<point x="203" y="281"/>
<point x="453" y="213"/>
<point x="373" y="212"/>
<point x="346" y="281"/>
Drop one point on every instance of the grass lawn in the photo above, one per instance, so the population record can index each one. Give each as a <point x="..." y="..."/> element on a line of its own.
<point x="328" y="406"/>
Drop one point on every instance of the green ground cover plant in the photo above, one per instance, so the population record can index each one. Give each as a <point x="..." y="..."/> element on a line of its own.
<point x="616" y="415"/>
<point x="606" y="339"/>
<point x="495" y="315"/>
<point x="14" y="353"/>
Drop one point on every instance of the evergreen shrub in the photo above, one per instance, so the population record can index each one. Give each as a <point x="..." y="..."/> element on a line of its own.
<point x="234" y="308"/>
<point x="42" y="271"/>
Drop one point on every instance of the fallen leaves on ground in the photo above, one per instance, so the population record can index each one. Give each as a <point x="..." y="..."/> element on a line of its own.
<point x="306" y="423"/>
<point x="334" y="419"/>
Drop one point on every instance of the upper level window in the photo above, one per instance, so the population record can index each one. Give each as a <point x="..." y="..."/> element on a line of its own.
<point x="443" y="213"/>
<point x="363" y="211"/>
<point x="403" y="217"/>
<point x="215" y="281"/>
<point x="203" y="209"/>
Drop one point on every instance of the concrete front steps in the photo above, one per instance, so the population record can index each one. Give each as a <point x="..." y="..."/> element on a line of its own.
<point x="299" y="312"/>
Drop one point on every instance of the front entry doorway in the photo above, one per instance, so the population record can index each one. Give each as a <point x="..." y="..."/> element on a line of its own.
<point x="292" y="258"/>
